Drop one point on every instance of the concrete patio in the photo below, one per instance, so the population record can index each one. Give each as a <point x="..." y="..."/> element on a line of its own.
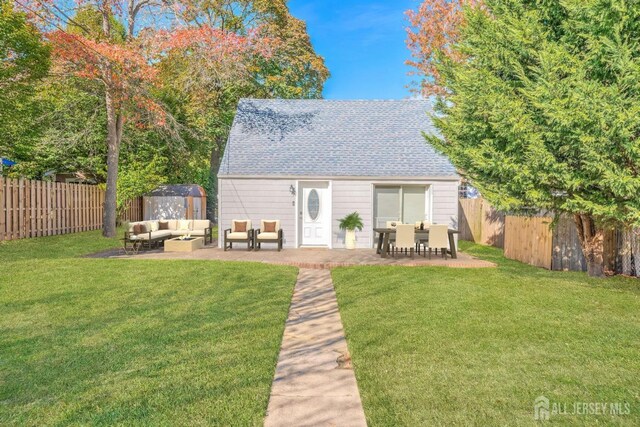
<point x="306" y="258"/>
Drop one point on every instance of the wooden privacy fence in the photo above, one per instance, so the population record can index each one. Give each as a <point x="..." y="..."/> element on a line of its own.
<point x="479" y="222"/>
<point x="38" y="208"/>
<point x="529" y="240"/>
<point x="533" y="241"/>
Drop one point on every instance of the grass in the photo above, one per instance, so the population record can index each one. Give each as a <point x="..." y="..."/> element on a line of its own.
<point x="135" y="342"/>
<point x="437" y="346"/>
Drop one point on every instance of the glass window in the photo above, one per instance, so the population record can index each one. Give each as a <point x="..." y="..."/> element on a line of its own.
<point x="400" y="203"/>
<point x="413" y="204"/>
<point x="313" y="204"/>
<point x="387" y="205"/>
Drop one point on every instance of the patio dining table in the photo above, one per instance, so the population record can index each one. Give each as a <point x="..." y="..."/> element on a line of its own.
<point x="385" y="233"/>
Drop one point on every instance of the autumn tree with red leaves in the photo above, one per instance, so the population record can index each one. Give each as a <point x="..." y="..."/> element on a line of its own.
<point x="434" y="29"/>
<point x="123" y="56"/>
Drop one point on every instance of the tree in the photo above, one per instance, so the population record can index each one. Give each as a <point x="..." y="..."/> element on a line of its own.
<point x="541" y="109"/>
<point x="208" y="92"/>
<point x="24" y="59"/>
<point x="434" y="29"/>
<point x="134" y="36"/>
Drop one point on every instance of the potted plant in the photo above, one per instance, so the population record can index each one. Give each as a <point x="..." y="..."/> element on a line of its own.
<point x="350" y="224"/>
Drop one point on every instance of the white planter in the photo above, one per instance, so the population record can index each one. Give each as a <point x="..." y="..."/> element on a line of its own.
<point x="350" y="239"/>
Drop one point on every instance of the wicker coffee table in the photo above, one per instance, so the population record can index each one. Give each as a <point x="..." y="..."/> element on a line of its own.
<point x="183" y="245"/>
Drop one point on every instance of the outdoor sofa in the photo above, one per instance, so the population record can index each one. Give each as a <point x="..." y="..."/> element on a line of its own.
<point x="150" y="232"/>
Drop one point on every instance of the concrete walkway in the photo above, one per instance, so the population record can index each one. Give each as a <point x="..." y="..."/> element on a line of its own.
<point x="314" y="384"/>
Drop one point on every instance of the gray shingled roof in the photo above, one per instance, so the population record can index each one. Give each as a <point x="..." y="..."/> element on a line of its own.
<point x="326" y="138"/>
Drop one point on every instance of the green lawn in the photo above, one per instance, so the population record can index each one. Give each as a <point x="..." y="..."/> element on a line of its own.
<point x="437" y="346"/>
<point x="135" y="342"/>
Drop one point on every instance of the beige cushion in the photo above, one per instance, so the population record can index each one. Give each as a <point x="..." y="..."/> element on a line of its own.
<point x="153" y="226"/>
<point x="184" y="224"/>
<point x="160" y="233"/>
<point x="201" y="224"/>
<point x="185" y="232"/>
<point x="267" y="236"/>
<point x="155" y="235"/>
<point x="238" y="235"/>
<point x="233" y="224"/>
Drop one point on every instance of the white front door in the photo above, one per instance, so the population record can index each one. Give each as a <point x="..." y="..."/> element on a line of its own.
<point x="314" y="213"/>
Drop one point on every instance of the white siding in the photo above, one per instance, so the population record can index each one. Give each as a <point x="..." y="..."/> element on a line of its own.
<point x="445" y="204"/>
<point x="258" y="199"/>
<point x="350" y="196"/>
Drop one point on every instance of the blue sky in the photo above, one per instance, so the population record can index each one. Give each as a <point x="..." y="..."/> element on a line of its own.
<point x="362" y="43"/>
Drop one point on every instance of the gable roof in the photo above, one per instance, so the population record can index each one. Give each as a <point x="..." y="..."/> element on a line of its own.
<point x="326" y="138"/>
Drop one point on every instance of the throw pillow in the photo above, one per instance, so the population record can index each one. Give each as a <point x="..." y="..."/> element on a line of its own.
<point x="154" y="226"/>
<point x="163" y="225"/>
<point x="269" y="227"/>
<point x="183" y="224"/>
<point x="240" y="226"/>
<point x="139" y="229"/>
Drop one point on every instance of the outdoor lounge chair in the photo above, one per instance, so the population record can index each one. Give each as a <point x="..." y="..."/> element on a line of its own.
<point x="269" y="232"/>
<point x="405" y="239"/>
<point x="438" y="239"/>
<point x="240" y="232"/>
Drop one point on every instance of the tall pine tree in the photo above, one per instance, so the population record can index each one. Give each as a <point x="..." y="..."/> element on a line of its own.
<point x="541" y="109"/>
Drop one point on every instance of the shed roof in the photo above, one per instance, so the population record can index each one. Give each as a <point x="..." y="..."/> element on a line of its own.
<point x="333" y="138"/>
<point x="182" y="190"/>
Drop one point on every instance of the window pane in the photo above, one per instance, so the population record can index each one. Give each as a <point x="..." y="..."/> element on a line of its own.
<point x="387" y="205"/>
<point x="413" y="204"/>
<point x="313" y="205"/>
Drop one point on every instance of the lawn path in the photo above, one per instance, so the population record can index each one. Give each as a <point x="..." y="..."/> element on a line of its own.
<point x="314" y="384"/>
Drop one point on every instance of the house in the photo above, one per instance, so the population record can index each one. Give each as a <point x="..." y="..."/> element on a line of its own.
<point x="308" y="163"/>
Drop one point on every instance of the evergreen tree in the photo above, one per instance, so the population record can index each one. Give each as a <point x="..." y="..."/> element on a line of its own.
<point x="542" y="110"/>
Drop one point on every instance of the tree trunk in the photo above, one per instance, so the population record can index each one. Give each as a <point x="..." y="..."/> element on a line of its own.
<point x="214" y="166"/>
<point x="592" y="242"/>
<point x="114" y="136"/>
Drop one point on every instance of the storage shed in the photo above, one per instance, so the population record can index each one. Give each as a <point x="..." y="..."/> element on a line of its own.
<point x="187" y="201"/>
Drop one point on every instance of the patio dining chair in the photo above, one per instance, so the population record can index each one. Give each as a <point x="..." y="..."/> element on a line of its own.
<point x="438" y="239"/>
<point x="392" y="224"/>
<point x="405" y="239"/>
<point x="421" y="240"/>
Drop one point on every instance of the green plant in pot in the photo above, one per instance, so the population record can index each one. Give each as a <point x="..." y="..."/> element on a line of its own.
<point x="350" y="224"/>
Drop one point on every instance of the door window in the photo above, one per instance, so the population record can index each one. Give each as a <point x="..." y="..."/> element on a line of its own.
<point x="313" y="204"/>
